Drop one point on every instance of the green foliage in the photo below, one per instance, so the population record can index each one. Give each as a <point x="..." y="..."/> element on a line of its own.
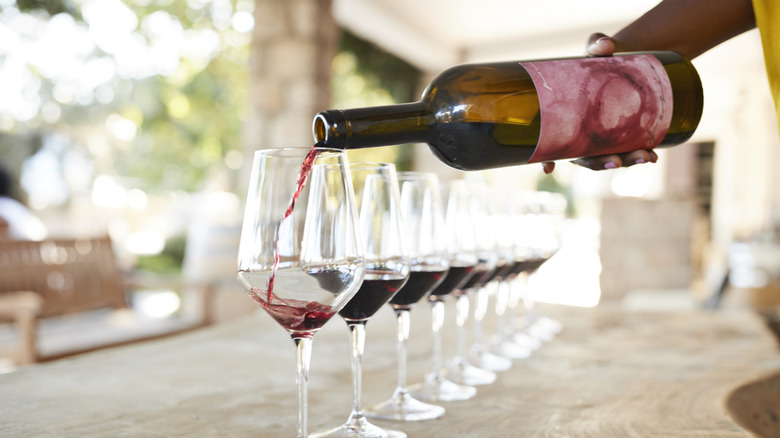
<point x="166" y="262"/>
<point x="185" y="120"/>
<point x="52" y="7"/>
<point x="549" y="183"/>
<point x="366" y="75"/>
<point x="194" y="116"/>
<point x="185" y="135"/>
<point x="400" y="79"/>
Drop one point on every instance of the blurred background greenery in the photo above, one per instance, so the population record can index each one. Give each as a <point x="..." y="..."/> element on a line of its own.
<point x="113" y="124"/>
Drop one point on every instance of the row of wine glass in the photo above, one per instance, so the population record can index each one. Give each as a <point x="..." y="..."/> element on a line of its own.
<point x="323" y="236"/>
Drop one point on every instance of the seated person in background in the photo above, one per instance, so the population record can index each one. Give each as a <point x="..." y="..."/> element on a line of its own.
<point x="16" y="221"/>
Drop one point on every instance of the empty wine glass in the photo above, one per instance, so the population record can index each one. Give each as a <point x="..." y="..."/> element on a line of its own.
<point x="424" y="230"/>
<point x="387" y="269"/>
<point x="461" y="248"/>
<point x="300" y="255"/>
<point x="460" y="370"/>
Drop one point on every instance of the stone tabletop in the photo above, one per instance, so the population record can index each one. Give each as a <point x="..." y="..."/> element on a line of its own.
<point x="610" y="373"/>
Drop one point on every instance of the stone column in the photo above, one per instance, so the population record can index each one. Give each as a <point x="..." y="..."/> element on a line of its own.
<point x="646" y="246"/>
<point x="293" y="44"/>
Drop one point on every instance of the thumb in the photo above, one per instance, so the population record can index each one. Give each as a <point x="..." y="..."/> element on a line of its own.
<point x="600" y="45"/>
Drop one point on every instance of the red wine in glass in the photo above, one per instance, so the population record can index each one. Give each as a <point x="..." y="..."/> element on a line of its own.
<point x="480" y="278"/>
<point x="495" y="274"/>
<point x="419" y="286"/>
<point x="378" y="287"/>
<point x="476" y="275"/>
<point x="300" y="318"/>
<point x="537" y="263"/>
<point x="455" y="278"/>
<point x="521" y="265"/>
<point x="295" y="315"/>
<point x="529" y="265"/>
<point x="505" y="271"/>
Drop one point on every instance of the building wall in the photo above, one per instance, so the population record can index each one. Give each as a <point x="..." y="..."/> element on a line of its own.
<point x="646" y="245"/>
<point x="293" y="44"/>
<point x="739" y="118"/>
<point x="294" y="41"/>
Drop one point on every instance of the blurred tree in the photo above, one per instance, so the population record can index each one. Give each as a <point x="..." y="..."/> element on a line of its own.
<point x="151" y="91"/>
<point x="154" y="92"/>
<point x="52" y="7"/>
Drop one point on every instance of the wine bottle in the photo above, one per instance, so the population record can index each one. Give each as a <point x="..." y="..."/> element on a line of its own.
<point x="482" y="116"/>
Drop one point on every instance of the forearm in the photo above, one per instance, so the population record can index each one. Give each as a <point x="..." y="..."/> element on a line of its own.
<point x="690" y="27"/>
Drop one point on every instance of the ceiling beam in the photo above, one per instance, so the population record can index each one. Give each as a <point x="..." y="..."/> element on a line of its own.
<point x="370" y="21"/>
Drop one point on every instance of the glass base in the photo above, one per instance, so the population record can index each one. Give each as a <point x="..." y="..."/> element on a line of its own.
<point x="512" y="350"/>
<point x="461" y="371"/>
<point x="552" y="325"/>
<point x="359" y="427"/>
<point x="529" y="341"/>
<point x="436" y="387"/>
<point x="404" y="407"/>
<point x="483" y="358"/>
<point x="539" y="330"/>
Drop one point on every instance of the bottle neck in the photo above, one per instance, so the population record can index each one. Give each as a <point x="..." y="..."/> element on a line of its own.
<point x="372" y="126"/>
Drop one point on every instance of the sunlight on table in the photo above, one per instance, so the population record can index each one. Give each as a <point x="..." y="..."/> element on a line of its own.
<point x="571" y="277"/>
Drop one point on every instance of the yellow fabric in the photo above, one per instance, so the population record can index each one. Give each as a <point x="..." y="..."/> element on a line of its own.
<point x="768" y="21"/>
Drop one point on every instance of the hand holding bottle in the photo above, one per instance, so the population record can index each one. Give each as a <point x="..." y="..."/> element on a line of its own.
<point x="688" y="27"/>
<point x="602" y="45"/>
<point x="483" y="116"/>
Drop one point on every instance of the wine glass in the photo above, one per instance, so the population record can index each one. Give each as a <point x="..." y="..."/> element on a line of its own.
<point x="459" y="369"/>
<point x="480" y="353"/>
<point x="424" y="230"/>
<point x="461" y="248"/>
<point x="387" y="270"/>
<point x="526" y="261"/>
<point x="549" y="218"/>
<point x="511" y="225"/>
<point x="300" y="255"/>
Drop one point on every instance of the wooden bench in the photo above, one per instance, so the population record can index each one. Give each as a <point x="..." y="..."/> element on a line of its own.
<point x="61" y="278"/>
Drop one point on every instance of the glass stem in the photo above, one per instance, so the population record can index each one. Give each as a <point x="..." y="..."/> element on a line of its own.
<point x="514" y="302"/>
<point x="522" y="297"/>
<point x="502" y="297"/>
<point x="358" y="332"/>
<point x="404" y="322"/>
<point x="480" y="309"/>
<point x="437" y="322"/>
<point x="303" y="356"/>
<point x="461" y="316"/>
<point x="528" y="303"/>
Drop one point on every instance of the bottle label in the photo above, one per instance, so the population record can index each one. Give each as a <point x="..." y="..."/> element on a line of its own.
<point x="598" y="106"/>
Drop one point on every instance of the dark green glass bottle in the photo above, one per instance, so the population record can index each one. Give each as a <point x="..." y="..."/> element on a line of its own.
<point x="482" y="116"/>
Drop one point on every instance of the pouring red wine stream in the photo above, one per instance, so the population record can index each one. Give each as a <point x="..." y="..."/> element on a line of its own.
<point x="303" y="176"/>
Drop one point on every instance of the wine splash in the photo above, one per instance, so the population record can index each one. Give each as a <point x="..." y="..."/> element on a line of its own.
<point x="296" y="316"/>
<point x="303" y="176"/>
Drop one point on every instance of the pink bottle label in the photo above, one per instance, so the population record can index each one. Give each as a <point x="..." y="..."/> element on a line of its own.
<point x="598" y="106"/>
